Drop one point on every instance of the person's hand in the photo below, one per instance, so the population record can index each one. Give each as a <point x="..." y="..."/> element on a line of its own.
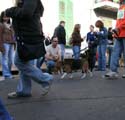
<point x="55" y="57"/>
<point x="115" y="32"/>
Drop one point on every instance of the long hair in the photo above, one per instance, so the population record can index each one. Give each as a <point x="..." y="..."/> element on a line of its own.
<point x="77" y="28"/>
<point x="2" y="16"/>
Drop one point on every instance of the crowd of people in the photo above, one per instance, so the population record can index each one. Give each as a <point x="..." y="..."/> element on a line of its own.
<point x="26" y="33"/>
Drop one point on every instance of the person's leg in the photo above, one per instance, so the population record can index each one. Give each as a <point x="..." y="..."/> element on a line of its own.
<point x="76" y="52"/>
<point x="115" y="55"/>
<point x="62" y="46"/>
<point x="4" y="115"/>
<point x="50" y="65"/>
<point x="10" y="56"/>
<point x="5" y="65"/>
<point x="115" y="58"/>
<point x="124" y="55"/>
<point x="99" y="58"/>
<point x="30" y="72"/>
<point x="103" y="53"/>
<point x="40" y="61"/>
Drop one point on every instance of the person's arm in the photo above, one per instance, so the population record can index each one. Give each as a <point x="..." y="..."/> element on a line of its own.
<point x="1" y="38"/>
<point x="48" y="55"/>
<point x="27" y="10"/>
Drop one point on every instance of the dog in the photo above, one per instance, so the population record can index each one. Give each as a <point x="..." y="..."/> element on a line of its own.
<point x="121" y="61"/>
<point x="58" y="68"/>
<point x="71" y="65"/>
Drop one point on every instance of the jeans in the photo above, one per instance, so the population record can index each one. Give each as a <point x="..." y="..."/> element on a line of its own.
<point x="102" y="57"/>
<point x="119" y="47"/>
<point x="62" y="46"/>
<point x="76" y="52"/>
<point x="110" y="49"/>
<point x="50" y="65"/>
<point x="4" y="115"/>
<point x="28" y="71"/>
<point x="40" y="61"/>
<point x="7" y="59"/>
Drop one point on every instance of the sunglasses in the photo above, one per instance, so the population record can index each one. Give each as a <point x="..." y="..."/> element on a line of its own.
<point x="55" y="41"/>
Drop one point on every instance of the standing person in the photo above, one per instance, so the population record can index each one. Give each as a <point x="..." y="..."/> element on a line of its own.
<point x="60" y="33"/>
<point x="102" y="36"/>
<point x="6" y="45"/>
<point x="110" y="44"/>
<point x="91" y="40"/>
<point x="26" y="22"/>
<point x="76" y="40"/>
<point x="119" y="44"/>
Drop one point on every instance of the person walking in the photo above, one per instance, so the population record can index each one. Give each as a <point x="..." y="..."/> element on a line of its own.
<point x="26" y="22"/>
<point x="7" y="43"/>
<point x="60" y="33"/>
<point x="119" y="44"/>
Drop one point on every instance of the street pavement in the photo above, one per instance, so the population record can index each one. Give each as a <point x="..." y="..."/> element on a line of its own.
<point x="92" y="98"/>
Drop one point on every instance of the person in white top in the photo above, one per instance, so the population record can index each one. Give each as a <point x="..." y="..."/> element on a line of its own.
<point x="53" y="54"/>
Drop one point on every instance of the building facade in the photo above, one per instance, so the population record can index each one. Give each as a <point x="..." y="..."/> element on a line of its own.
<point x="84" y="12"/>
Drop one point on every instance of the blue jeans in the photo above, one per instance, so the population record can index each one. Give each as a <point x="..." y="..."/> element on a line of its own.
<point x="50" y="65"/>
<point x="76" y="52"/>
<point x="4" y="115"/>
<point x="110" y="49"/>
<point x="62" y="46"/>
<point x="7" y="59"/>
<point x="119" y="47"/>
<point x="102" y="57"/>
<point x="28" y="71"/>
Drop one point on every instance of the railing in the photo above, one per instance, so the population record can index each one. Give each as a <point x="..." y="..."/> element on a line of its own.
<point x="98" y="1"/>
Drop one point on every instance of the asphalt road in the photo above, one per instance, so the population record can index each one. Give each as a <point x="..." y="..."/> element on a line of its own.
<point x="93" y="98"/>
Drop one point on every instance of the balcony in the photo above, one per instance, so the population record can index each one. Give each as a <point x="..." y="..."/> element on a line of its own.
<point x="106" y="8"/>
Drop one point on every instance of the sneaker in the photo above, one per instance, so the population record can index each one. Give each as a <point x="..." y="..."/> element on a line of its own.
<point x="111" y="74"/>
<point x="2" y="79"/>
<point x="63" y="76"/>
<point x="123" y="76"/>
<point x="91" y="74"/>
<point x="45" y="90"/>
<point x="14" y="95"/>
<point x="71" y="76"/>
<point x="83" y="76"/>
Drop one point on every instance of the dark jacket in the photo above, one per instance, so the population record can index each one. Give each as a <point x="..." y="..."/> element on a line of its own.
<point x="76" y="39"/>
<point x="61" y="34"/>
<point x="103" y="36"/>
<point x="26" y="18"/>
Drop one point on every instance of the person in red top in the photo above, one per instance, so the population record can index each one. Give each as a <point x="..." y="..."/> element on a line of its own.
<point x="119" y="45"/>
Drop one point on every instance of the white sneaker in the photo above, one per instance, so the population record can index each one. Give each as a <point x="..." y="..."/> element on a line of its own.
<point x="71" y="76"/>
<point x="63" y="76"/>
<point x="90" y="73"/>
<point x="111" y="74"/>
<point x="45" y="90"/>
<point x="2" y="79"/>
<point x="83" y="76"/>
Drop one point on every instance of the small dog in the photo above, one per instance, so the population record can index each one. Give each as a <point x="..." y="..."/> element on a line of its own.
<point x="121" y="61"/>
<point x="81" y="64"/>
<point x="58" y="68"/>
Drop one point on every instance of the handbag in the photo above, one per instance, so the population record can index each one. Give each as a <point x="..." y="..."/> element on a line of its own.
<point x="30" y="50"/>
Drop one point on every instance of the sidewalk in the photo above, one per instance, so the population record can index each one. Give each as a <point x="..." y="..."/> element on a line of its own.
<point x="93" y="98"/>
